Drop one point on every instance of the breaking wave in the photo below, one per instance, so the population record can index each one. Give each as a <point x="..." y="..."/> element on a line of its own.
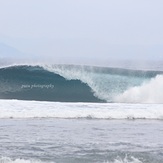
<point x="72" y="83"/>
<point x="148" y="92"/>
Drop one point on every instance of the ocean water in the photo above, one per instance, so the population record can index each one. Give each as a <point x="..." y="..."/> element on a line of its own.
<point x="80" y="141"/>
<point x="81" y="114"/>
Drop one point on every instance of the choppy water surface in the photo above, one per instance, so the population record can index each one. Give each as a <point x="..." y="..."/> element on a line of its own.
<point x="81" y="141"/>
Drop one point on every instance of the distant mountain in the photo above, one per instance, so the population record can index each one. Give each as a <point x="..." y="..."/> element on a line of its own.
<point x="7" y="51"/>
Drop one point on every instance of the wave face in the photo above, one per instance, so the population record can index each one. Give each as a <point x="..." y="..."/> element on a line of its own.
<point x="35" y="83"/>
<point x="70" y="83"/>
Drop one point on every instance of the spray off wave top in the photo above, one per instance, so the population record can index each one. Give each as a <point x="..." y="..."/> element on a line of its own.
<point x="71" y="83"/>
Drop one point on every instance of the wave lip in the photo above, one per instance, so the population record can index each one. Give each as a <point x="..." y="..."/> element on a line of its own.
<point x="36" y="109"/>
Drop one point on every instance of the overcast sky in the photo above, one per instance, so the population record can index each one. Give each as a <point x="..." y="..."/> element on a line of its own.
<point x="80" y="30"/>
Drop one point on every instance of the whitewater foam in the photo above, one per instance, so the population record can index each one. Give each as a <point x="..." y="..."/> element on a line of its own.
<point x="148" y="92"/>
<point x="125" y="160"/>
<point x="36" y="109"/>
<point x="19" y="160"/>
<point x="118" y="160"/>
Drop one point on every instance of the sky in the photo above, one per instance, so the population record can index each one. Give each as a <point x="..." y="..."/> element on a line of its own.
<point x="78" y="31"/>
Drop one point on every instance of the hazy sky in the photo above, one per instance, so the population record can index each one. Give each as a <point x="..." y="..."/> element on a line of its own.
<point x="78" y="30"/>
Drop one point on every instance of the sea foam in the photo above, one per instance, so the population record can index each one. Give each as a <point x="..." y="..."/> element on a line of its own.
<point x="148" y="92"/>
<point x="37" y="109"/>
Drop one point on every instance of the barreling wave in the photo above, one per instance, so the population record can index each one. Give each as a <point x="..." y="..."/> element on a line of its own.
<point x="35" y="83"/>
<point x="71" y="83"/>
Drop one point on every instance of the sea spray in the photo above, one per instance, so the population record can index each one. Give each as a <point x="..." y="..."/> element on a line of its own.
<point x="71" y="83"/>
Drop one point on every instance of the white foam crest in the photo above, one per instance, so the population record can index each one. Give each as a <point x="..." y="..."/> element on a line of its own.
<point x="36" y="109"/>
<point x="148" y="92"/>
<point x="126" y="160"/>
<point x="18" y="160"/>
